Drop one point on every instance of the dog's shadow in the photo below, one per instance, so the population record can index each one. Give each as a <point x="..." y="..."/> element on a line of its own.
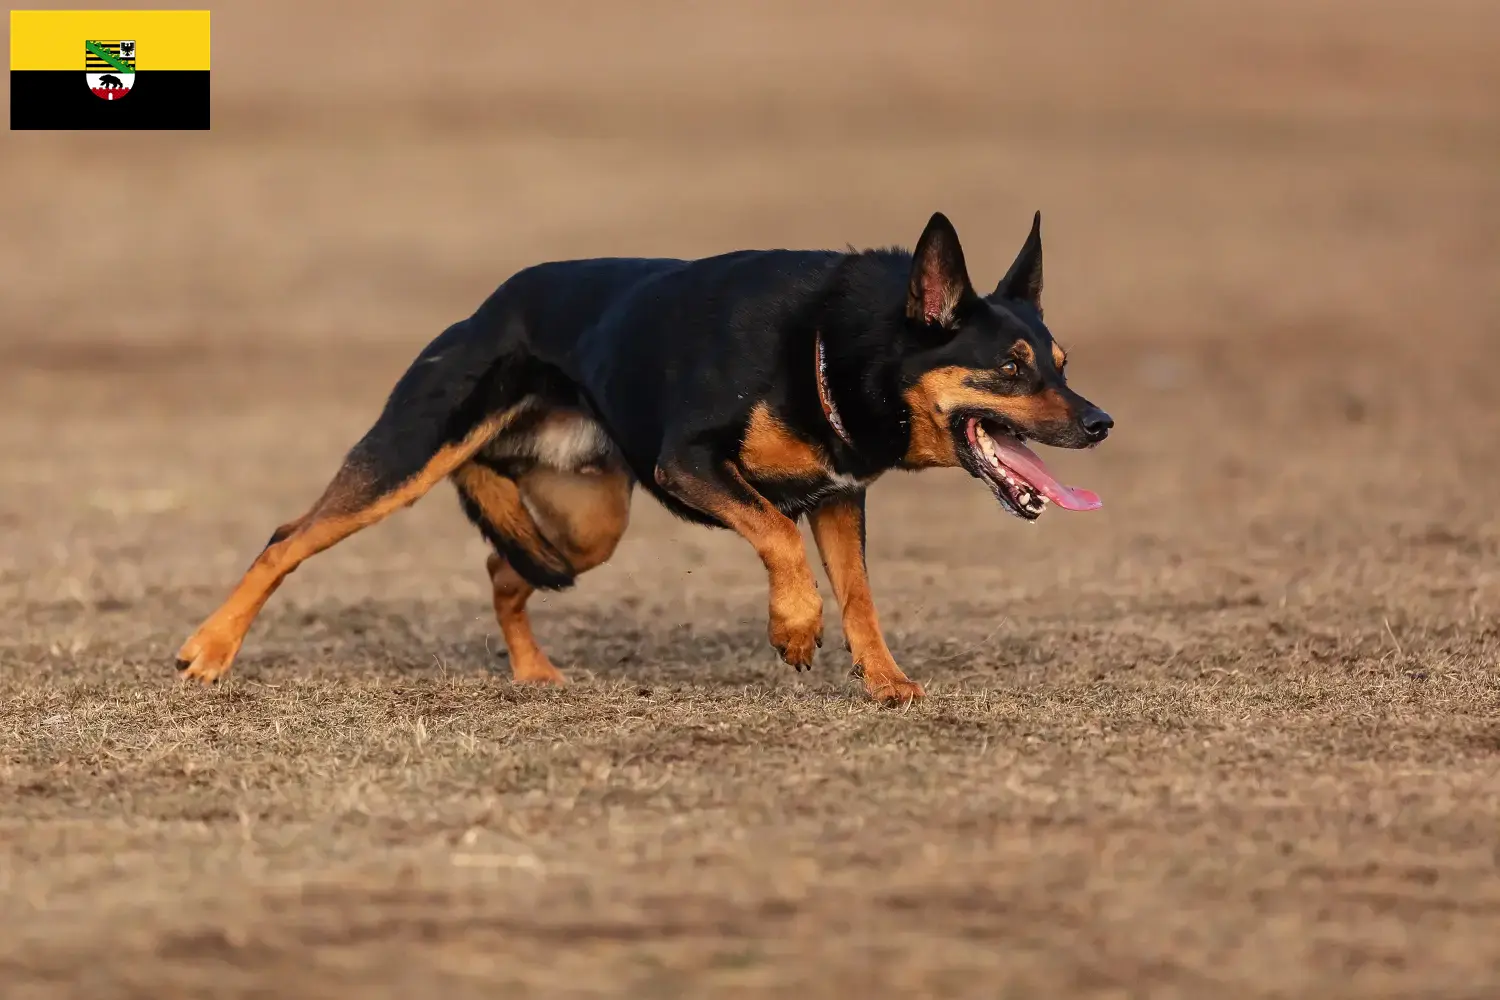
<point x="616" y="644"/>
<point x="606" y="645"/>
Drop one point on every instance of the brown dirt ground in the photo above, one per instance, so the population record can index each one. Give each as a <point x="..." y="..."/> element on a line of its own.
<point x="1236" y="735"/>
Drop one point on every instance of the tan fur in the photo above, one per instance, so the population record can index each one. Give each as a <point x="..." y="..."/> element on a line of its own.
<point x="583" y="514"/>
<point x="337" y="515"/>
<point x="931" y="444"/>
<point x="771" y="449"/>
<point x="528" y="663"/>
<point x="941" y="391"/>
<point x="499" y="498"/>
<point x="836" y="529"/>
<point x="580" y="516"/>
<point x="796" y="611"/>
<point x="1045" y="407"/>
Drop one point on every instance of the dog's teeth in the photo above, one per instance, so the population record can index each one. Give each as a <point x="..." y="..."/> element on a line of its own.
<point x="1026" y="499"/>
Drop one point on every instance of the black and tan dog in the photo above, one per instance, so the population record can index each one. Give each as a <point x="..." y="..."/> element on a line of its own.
<point x="742" y="391"/>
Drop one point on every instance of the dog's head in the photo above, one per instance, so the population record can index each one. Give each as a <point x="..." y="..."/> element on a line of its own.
<point x="982" y="375"/>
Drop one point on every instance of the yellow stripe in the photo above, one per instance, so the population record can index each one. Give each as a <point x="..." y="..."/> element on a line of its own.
<point x="53" y="39"/>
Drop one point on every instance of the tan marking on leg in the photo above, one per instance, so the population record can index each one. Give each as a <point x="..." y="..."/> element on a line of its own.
<point x="528" y="664"/>
<point x="796" y="610"/>
<point x="836" y="530"/>
<point x="499" y="498"/>
<point x="771" y="449"/>
<point x="211" y="650"/>
<point x="282" y="531"/>
<point x="583" y="514"/>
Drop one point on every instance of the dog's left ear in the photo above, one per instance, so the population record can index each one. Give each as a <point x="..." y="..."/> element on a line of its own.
<point x="939" y="278"/>
<point x="1024" y="279"/>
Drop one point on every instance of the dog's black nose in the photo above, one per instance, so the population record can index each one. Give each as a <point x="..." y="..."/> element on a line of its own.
<point x="1096" y="424"/>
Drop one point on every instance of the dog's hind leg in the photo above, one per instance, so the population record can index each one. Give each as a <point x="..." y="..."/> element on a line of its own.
<point x="528" y="663"/>
<point x="547" y="526"/>
<point x="361" y="493"/>
<point x="456" y="396"/>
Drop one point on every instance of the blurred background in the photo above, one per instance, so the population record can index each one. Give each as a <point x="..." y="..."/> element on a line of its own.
<point x="1272" y="234"/>
<point x="1268" y="225"/>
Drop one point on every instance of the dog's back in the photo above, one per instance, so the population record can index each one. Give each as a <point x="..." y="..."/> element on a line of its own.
<point x="642" y="336"/>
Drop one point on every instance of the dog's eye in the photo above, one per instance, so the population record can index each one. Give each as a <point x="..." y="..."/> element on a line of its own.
<point x="1009" y="368"/>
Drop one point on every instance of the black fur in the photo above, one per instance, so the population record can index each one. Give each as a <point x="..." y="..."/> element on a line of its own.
<point x="671" y="357"/>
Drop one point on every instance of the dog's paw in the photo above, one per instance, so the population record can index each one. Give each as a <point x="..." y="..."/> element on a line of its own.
<point x="887" y="685"/>
<point x="896" y="693"/>
<point x="538" y="670"/>
<point x="796" y="632"/>
<point x="207" y="656"/>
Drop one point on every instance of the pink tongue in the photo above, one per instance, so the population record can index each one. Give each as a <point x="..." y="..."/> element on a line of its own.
<point x="1019" y="458"/>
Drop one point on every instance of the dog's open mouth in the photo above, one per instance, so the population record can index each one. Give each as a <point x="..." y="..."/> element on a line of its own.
<point x="1017" y="476"/>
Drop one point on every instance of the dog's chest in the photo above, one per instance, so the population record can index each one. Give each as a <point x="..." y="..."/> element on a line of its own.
<point x="796" y="495"/>
<point x="789" y="470"/>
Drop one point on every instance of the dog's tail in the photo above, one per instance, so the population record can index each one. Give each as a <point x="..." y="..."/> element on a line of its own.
<point x="465" y="389"/>
<point x="469" y="376"/>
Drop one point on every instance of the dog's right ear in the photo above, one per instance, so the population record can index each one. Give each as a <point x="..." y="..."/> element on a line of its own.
<point x="939" y="278"/>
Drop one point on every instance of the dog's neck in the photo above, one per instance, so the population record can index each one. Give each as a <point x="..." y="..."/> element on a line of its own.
<point x="825" y="394"/>
<point x="857" y="352"/>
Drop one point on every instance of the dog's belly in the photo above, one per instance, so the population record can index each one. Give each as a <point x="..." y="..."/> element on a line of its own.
<point x="563" y="439"/>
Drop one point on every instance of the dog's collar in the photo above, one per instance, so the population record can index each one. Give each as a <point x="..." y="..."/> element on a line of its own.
<point x="825" y="397"/>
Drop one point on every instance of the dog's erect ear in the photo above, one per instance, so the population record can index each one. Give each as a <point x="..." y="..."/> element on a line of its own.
<point x="1024" y="279"/>
<point x="939" y="280"/>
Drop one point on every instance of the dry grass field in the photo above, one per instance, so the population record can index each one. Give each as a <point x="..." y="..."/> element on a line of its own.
<point x="1236" y="735"/>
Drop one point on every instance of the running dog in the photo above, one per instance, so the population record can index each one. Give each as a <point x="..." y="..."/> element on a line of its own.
<point x="742" y="391"/>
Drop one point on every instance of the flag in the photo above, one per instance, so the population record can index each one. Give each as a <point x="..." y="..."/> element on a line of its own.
<point x="109" y="69"/>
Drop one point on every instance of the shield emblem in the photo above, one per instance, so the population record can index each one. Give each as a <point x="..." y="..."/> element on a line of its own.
<point x="109" y="67"/>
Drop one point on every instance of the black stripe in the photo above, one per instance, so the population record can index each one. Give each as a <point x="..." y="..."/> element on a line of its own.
<point x="60" y="99"/>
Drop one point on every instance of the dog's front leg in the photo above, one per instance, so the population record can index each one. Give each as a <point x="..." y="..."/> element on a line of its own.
<point x="838" y="526"/>
<point x="719" y="490"/>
